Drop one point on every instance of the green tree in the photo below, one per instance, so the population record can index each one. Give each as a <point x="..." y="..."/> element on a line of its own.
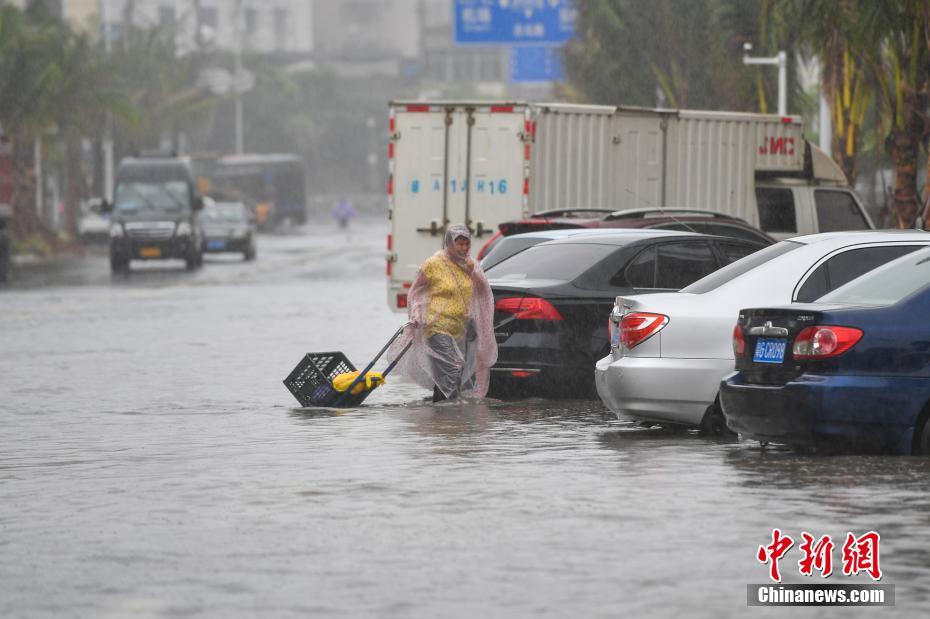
<point x="830" y="32"/>
<point x="899" y="59"/>
<point x="49" y="81"/>
<point x="627" y="51"/>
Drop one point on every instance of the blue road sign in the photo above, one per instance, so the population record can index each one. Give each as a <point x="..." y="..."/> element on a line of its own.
<point x="514" y="22"/>
<point x="536" y="64"/>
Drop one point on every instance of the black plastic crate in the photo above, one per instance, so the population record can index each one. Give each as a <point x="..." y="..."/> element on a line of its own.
<point x="311" y="381"/>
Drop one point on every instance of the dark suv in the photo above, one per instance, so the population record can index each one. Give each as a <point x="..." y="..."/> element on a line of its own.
<point x="156" y="210"/>
<point x="665" y="218"/>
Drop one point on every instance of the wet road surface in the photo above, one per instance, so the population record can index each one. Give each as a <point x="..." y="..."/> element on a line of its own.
<point x="152" y="464"/>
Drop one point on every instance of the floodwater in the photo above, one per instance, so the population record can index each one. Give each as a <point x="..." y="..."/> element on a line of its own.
<point x="153" y="465"/>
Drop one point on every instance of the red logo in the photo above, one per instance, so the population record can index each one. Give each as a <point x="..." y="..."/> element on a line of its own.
<point x="773" y="552"/>
<point x="817" y="555"/>
<point x="777" y="146"/>
<point x="860" y="554"/>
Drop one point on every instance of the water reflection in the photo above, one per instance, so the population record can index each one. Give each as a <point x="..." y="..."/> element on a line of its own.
<point x="783" y="468"/>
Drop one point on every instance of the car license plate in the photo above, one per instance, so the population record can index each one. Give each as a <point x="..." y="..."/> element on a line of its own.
<point x="218" y="244"/>
<point x="150" y="252"/>
<point x="769" y="350"/>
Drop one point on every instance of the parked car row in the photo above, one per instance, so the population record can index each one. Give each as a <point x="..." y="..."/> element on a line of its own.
<point x="647" y="318"/>
<point x="553" y="294"/>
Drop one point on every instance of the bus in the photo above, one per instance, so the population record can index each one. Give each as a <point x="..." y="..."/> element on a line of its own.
<point x="273" y="182"/>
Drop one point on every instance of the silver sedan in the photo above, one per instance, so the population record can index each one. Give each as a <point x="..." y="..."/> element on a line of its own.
<point x="669" y="351"/>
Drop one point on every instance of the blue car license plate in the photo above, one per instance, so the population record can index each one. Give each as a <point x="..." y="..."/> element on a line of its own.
<point x="217" y="244"/>
<point x="769" y="350"/>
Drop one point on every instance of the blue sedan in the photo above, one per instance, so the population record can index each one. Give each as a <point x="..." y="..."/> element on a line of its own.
<point x="849" y="372"/>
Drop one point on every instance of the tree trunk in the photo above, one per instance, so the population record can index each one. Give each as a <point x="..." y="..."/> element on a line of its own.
<point x="903" y="145"/>
<point x="76" y="183"/>
<point x="841" y="94"/>
<point x="26" y="222"/>
<point x="903" y="148"/>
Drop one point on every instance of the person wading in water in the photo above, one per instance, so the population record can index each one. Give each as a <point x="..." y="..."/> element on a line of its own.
<point x="451" y="312"/>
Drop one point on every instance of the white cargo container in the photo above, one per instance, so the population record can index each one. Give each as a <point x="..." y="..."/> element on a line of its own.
<point x="487" y="163"/>
<point x="451" y="163"/>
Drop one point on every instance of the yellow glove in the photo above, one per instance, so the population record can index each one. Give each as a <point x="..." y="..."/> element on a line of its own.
<point x="372" y="380"/>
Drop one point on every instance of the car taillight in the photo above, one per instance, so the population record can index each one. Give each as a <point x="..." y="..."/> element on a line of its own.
<point x="824" y="341"/>
<point x="739" y="342"/>
<point x="637" y="327"/>
<point x="528" y="308"/>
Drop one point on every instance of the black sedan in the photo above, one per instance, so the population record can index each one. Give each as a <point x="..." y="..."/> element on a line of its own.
<point x="228" y="227"/>
<point x="553" y="300"/>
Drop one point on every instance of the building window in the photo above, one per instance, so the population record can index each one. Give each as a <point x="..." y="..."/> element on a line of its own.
<point x="208" y="17"/>
<point x="251" y="21"/>
<point x="166" y="18"/>
<point x="361" y="11"/>
<point x="489" y="67"/>
<point x="280" y="28"/>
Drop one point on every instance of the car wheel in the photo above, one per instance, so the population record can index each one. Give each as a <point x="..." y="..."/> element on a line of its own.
<point x="714" y="423"/>
<point x="194" y="261"/>
<point x="922" y="438"/>
<point x="119" y="264"/>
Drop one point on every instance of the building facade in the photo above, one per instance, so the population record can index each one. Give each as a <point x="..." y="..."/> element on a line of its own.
<point x="264" y="26"/>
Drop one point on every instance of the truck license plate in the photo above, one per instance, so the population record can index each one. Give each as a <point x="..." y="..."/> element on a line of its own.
<point x="769" y="350"/>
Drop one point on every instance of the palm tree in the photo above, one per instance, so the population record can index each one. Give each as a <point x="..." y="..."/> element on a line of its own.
<point x="900" y="63"/>
<point x="830" y="31"/>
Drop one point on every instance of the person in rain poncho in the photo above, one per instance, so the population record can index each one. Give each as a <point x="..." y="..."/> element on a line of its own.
<point x="451" y="332"/>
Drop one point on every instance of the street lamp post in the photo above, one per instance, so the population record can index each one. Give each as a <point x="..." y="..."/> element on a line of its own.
<point x="237" y="72"/>
<point x="104" y="13"/>
<point x="781" y="61"/>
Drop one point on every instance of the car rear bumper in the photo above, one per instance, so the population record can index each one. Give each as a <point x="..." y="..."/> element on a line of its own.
<point x="863" y="413"/>
<point x="660" y="389"/>
<point x="543" y="362"/>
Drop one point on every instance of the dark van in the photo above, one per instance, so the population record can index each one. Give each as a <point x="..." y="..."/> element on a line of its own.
<point x="155" y="212"/>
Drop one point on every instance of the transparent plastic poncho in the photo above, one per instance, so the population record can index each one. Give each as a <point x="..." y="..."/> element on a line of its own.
<point x="451" y="330"/>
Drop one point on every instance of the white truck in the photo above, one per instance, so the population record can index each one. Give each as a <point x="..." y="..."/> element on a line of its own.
<point x="484" y="163"/>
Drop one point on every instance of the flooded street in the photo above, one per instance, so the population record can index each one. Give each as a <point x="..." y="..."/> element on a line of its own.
<point x="152" y="464"/>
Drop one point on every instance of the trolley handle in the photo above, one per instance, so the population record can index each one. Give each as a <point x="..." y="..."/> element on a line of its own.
<point x="363" y="373"/>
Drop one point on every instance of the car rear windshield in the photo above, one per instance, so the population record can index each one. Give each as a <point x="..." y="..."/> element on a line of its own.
<point x="507" y="247"/>
<point x="887" y="284"/>
<point x="561" y="261"/>
<point x="231" y="211"/>
<point x="744" y="265"/>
